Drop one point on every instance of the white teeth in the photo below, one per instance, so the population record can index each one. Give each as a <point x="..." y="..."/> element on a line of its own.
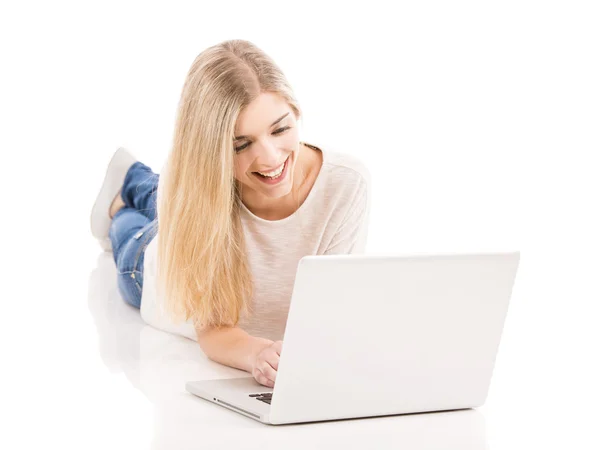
<point x="274" y="173"/>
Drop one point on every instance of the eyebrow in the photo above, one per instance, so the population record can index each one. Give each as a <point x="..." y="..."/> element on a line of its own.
<point x="237" y="138"/>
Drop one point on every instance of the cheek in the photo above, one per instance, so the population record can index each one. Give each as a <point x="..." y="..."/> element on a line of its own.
<point x="240" y="167"/>
<point x="292" y="136"/>
<point x="236" y="168"/>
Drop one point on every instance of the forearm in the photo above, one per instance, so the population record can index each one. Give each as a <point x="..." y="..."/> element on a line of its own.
<point x="232" y="347"/>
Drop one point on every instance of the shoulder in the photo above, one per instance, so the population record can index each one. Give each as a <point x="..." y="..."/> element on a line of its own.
<point x="344" y="185"/>
<point x="345" y="169"/>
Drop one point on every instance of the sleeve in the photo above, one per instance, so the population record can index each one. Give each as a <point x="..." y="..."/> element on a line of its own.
<point x="351" y="236"/>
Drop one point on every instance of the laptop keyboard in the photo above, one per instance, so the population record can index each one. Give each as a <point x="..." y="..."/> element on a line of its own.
<point x="266" y="398"/>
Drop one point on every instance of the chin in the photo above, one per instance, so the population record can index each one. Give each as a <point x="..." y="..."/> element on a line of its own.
<point x="282" y="192"/>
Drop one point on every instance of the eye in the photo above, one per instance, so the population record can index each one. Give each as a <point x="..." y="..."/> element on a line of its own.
<point x="280" y="130"/>
<point x="276" y="132"/>
<point x="239" y="149"/>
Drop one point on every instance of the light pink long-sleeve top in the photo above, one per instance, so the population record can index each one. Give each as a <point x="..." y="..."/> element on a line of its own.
<point x="332" y="220"/>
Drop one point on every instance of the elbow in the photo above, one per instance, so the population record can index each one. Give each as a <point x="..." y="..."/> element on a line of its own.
<point x="206" y="350"/>
<point x="211" y="340"/>
<point x="204" y="342"/>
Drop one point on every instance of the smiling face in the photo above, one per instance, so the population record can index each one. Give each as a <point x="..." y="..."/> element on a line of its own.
<point x="266" y="137"/>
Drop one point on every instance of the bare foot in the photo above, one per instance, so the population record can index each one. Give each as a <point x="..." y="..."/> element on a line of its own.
<point x="116" y="205"/>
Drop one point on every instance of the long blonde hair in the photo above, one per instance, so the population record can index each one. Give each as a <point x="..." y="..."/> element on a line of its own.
<point x="202" y="268"/>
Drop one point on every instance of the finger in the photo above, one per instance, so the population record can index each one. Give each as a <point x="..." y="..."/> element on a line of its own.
<point x="278" y="345"/>
<point x="273" y="360"/>
<point x="265" y="381"/>
<point x="267" y="370"/>
<point x="257" y="373"/>
<point x="259" y="377"/>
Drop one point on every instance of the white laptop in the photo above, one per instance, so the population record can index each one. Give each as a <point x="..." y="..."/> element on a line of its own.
<point x="377" y="335"/>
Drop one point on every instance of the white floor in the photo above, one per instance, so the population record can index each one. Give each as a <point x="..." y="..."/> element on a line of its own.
<point x="96" y="376"/>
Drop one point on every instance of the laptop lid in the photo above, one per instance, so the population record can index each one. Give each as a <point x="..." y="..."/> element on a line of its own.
<point x="371" y="335"/>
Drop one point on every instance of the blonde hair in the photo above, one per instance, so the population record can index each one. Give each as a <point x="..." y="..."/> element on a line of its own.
<point x="202" y="269"/>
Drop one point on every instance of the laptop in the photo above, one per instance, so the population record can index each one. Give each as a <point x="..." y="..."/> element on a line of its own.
<point x="378" y="335"/>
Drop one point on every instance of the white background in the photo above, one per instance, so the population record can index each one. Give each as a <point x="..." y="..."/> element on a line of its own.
<point x="479" y="122"/>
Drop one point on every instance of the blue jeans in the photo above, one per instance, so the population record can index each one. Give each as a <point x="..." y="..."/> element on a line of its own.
<point x="132" y="229"/>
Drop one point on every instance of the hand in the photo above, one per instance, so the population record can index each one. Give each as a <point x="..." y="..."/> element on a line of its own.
<point x="266" y="363"/>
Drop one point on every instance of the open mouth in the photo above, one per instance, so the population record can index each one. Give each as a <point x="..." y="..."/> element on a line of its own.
<point x="278" y="178"/>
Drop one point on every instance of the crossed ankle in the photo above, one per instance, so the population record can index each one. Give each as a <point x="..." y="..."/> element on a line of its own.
<point x="116" y="205"/>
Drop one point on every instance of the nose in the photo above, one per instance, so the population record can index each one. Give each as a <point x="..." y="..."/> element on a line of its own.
<point x="269" y="156"/>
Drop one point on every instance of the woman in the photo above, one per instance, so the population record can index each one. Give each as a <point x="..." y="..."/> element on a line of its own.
<point x="238" y="203"/>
